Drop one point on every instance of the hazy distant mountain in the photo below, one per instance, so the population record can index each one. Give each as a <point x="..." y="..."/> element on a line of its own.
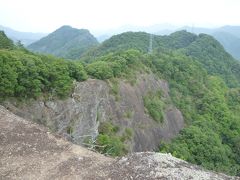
<point x="26" y="38"/>
<point x="234" y="30"/>
<point x="230" y="42"/>
<point x="160" y="29"/>
<point x="66" y="42"/>
<point x="228" y="36"/>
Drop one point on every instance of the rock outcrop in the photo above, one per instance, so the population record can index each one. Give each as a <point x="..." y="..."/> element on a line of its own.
<point x="30" y="151"/>
<point x="92" y="103"/>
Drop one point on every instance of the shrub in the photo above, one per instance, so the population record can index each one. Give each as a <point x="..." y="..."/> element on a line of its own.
<point x="100" y="70"/>
<point x="154" y="105"/>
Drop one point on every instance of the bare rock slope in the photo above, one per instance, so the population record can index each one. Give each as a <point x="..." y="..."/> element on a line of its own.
<point x="29" y="151"/>
<point x="93" y="102"/>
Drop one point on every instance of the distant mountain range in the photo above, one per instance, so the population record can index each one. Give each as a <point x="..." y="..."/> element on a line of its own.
<point x="228" y="36"/>
<point x="65" y="42"/>
<point x="26" y="38"/>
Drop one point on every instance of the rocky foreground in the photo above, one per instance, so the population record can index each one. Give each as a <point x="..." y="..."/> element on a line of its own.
<point x="30" y="151"/>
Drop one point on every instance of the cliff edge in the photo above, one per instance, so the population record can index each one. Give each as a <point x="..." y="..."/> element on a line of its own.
<point x="30" y="151"/>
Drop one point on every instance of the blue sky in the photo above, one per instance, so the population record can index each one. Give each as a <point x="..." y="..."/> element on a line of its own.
<point x="100" y="15"/>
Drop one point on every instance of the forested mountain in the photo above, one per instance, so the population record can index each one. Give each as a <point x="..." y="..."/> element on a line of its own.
<point x="203" y="79"/>
<point x="66" y="42"/>
<point x="140" y="41"/>
<point x="204" y="48"/>
<point x="26" y="38"/>
<point x="230" y="42"/>
<point x="228" y="36"/>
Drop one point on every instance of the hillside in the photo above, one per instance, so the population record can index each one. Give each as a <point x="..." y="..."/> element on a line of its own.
<point x="65" y="42"/>
<point x="203" y="48"/>
<point x="230" y="42"/>
<point x="228" y="36"/>
<point x="5" y="42"/>
<point x="181" y="98"/>
<point x="30" y="151"/>
<point x="26" y="38"/>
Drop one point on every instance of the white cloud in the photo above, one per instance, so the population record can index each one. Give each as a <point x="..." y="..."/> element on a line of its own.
<point x="47" y="15"/>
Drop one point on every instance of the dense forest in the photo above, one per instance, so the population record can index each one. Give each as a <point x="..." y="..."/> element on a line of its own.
<point x="28" y="75"/>
<point x="204" y="84"/>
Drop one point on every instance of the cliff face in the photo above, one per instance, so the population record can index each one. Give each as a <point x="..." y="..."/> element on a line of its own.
<point x="30" y="151"/>
<point x="93" y="103"/>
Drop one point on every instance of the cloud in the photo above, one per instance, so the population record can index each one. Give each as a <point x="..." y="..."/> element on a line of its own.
<point x="45" y="15"/>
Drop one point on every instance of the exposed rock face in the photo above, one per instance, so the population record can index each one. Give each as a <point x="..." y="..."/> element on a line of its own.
<point x="29" y="151"/>
<point x="92" y="103"/>
<point x="150" y="165"/>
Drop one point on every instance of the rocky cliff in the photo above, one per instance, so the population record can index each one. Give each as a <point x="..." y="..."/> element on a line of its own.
<point x="92" y="102"/>
<point x="30" y="151"/>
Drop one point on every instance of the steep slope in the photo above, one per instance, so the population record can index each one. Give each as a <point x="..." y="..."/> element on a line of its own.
<point x="92" y="105"/>
<point x="230" y="42"/>
<point x="26" y="38"/>
<point x="66" y="42"/>
<point x="29" y="151"/>
<point x="203" y="48"/>
<point x="228" y="36"/>
<point x="5" y="42"/>
<point x="211" y="54"/>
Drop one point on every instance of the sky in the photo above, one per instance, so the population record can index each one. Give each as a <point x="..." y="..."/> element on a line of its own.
<point x="101" y="15"/>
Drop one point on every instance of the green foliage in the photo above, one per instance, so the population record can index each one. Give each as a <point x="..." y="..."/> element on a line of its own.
<point x="128" y="114"/>
<point x="214" y="59"/>
<point x="119" y="64"/>
<point x="203" y="147"/>
<point x="127" y="135"/>
<point x="125" y="41"/>
<point x="111" y="145"/>
<point x="107" y="128"/>
<point x="180" y="39"/>
<point x="213" y="125"/>
<point x="114" y="84"/>
<point x="77" y="71"/>
<point x="100" y="70"/>
<point x="154" y="105"/>
<point x="70" y="130"/>
<point x="8" y="76"/>
<point x="26" y="75"/>
<point x="5" y="42"/>
<point x="108" y="142"/>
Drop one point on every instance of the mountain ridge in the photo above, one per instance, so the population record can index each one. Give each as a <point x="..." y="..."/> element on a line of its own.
<point x="66" y="42"/>
<point x="26" y="38"/>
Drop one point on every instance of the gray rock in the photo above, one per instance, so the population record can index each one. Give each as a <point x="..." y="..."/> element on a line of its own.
<point x="92" y="102"/>
<point x="30" y="151"/>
